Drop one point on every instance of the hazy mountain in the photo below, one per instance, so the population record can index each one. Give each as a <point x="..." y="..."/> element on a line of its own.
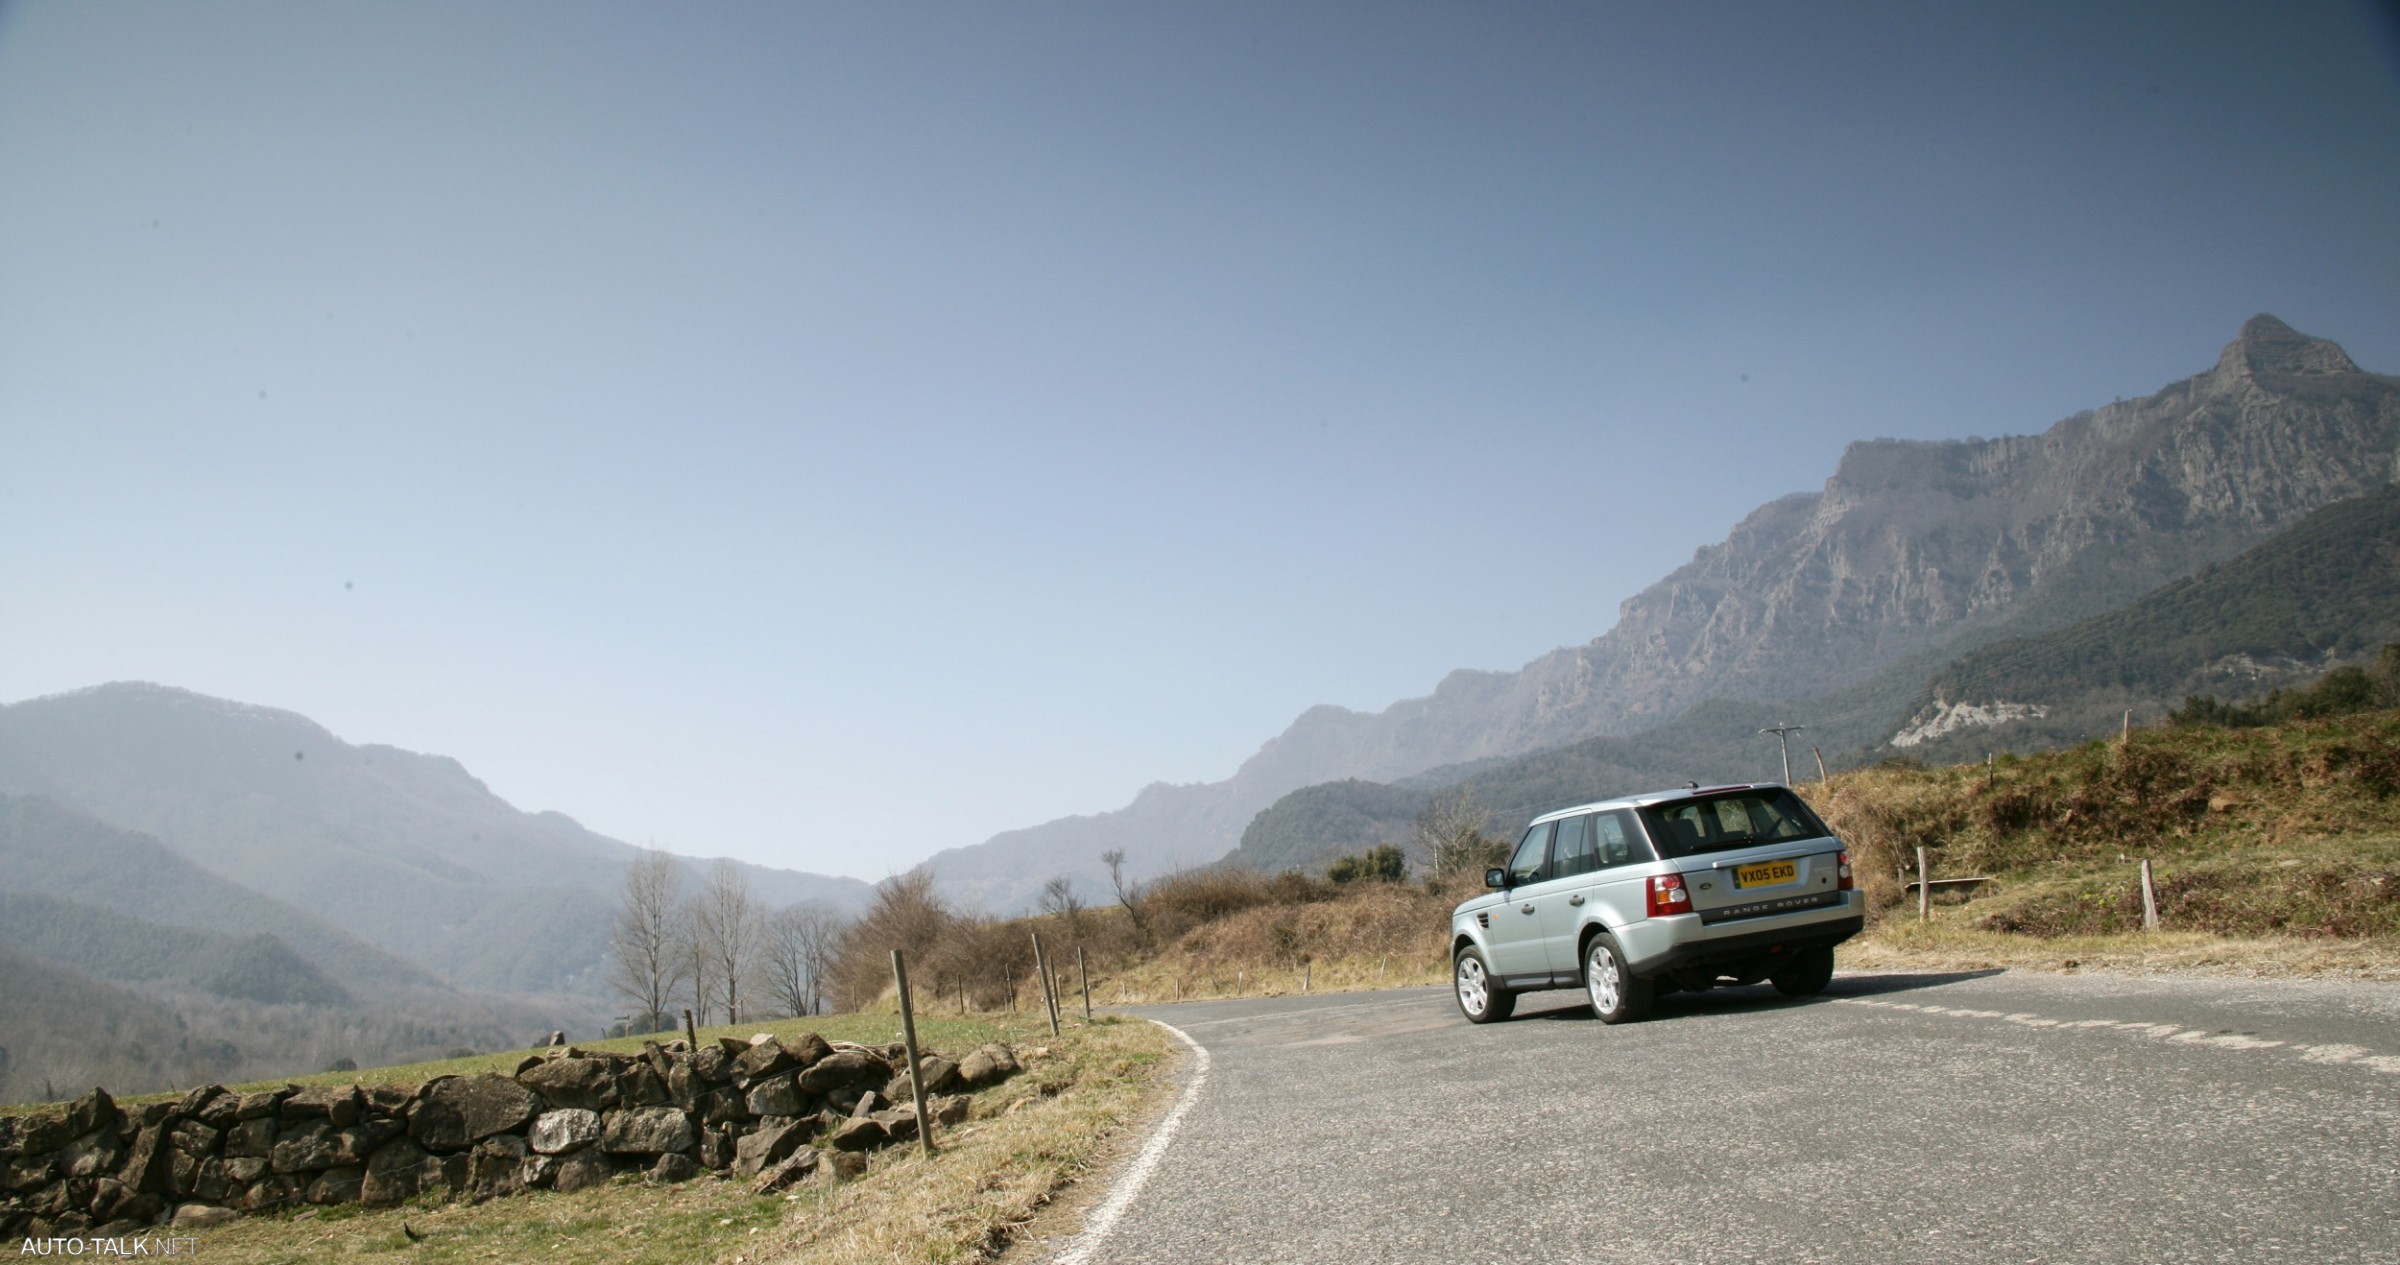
<point x="113" y="944"/>
<point x="1910" y="549"/>
<point x="406" y="851"/>
<point x="53" y="851"/>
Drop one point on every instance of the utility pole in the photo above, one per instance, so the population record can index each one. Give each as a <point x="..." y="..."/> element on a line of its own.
<point x="1783" y="739"/>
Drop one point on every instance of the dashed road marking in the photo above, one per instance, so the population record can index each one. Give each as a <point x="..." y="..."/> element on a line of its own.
<point x="2332" y="1053"/>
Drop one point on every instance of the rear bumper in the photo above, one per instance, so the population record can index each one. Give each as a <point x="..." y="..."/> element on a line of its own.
<point x="1725" y="949"/>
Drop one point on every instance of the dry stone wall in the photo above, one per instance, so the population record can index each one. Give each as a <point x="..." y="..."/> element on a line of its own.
<point x="759" y="1111"/>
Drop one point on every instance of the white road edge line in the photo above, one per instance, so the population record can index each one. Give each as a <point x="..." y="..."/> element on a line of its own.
<point x="1095" y="1231"/>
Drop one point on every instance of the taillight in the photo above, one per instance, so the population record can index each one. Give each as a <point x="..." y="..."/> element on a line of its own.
<point x="1667" y="895"/>
<point x="1843" y="861"/>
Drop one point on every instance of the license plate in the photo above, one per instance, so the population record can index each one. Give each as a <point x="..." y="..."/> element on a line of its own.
<point x="1766" y="873"/>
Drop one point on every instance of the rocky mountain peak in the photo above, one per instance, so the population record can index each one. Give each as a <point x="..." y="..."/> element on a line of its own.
<point x="2267" y="345"/>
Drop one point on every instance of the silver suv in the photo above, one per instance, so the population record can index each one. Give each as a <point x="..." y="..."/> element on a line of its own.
<point x="1683" y="889"/>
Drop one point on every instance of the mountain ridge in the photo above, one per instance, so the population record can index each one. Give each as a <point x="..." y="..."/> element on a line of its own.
<point x="1911" y="547"/>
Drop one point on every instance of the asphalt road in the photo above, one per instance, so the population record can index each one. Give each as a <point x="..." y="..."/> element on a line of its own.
<point x="1962" y="1117"/>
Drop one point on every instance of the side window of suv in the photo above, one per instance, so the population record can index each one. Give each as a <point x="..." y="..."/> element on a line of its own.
<point x="1619" y="842"/>
<point x="1574" y="853"/>
<point x="1527" y="865"/>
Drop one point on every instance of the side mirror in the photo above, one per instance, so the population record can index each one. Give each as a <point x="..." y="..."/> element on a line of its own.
<point x="1495" y="877"/>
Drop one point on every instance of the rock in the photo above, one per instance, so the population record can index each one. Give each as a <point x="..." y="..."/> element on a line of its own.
<point x="949" y="1110"/>
<point x="724" y="1106"/>
<point x="655" y="1055"/>
<point x="201" y="1216"/>
<point x="862" y="1134"/>
<point x="194" y="1101"/>
<point x="401" y="1170"/>
<point x="717" y="1148"/>
<point x="40" y="1135"/>
<point x="712" y="1064"/>
<point x="8" y="1137"/>
<point x="244" y="1170"/>
<point x="337" y="1185"/>
<point x="647" y="1131"/>
<point x="390" y="1100"/>
<point x="251" y="1137"/>
<point x="269" y="1192"/>
<point x="732" y="1046"/>
<point x="787" y="1171"/>
<point x="899" y="1123"/>
<point x="453" y="1111"/>
<point x="263" y="1103"/>
<point x="309" y="1147"/>
<point x="641" y="1086"/>
<point x="683" y="1085"/>
<point x="194" y="1138"/>
<point x="148" y="1164"/>
<point x="939" y="1076"/>
<point x="526" y="1064"/>
<point x="845" y="1069"/>
<point x="94" y="1111"/>
<point x="496" y="1166"/>
<point x="768" y="1145"/>
<point x="28" y="1173"/>
<point x="865" y="1106"/>
<point x="585" y="1168"/>
<point x="338" y="1103"/>
<point x="537" y="1171"/>
<point x="988" y="1065"/>
<point x="92" y="1155"/>
<point x="763" y="1058"/>
<point x="774" y="1096"/>
<point x="809" y="1050"/>
<point x="563" y="1130"/>
<point x="847" y="1165"/>
<point x="572" y="1082"/>
<point x="674" y="1167"/>
<point x="557" y="1038"/>
<point x="212" y="1184"/>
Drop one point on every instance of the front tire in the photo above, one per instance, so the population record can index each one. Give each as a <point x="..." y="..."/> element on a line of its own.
<point x="1479" y="998"/>
<point x="1810" y="971"/>
<point x="1617" y="997"/>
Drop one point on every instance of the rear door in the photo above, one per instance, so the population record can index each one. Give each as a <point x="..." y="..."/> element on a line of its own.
<point x="1746" y="854"/>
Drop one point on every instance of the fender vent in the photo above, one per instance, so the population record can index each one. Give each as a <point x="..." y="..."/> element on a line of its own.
<point x="1484" y="920"/>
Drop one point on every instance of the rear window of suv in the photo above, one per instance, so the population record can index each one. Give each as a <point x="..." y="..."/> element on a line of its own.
<point x="1735" y="819"/>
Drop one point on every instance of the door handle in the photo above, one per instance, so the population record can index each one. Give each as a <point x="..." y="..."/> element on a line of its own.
<point x="1525" y="908"/>
<point x="1575" y="899"/>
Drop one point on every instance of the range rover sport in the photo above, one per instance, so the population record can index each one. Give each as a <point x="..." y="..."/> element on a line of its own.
<point x="1688" y="889"/>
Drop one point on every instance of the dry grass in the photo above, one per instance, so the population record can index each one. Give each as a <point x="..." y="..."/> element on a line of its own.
<point x="1027" y="1138"/>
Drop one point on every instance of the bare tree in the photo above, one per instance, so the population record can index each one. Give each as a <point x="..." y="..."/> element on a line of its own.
<point x="905" y="914"/>
<point x="798" y="951"/>
<point x="1449" y="837"/>
<point x="1129" y="893"/>
<point x="1059" y="897"/>
<point x="699" y="964"/>
<point x="725" y="923"/>
<point x="644" y="953"/>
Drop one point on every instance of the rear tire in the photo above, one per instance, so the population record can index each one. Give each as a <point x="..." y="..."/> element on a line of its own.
<point x="1807" y="975"/>
<point x="1479" y="998"/>
<point x="1617" y="997"/>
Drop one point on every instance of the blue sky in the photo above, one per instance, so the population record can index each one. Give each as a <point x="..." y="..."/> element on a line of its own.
<point x="827" y="434"/>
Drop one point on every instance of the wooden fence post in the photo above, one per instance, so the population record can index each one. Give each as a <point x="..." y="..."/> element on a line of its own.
<point x="908" y="1034"/>
<point x="1812" y="750"/>
<point x="1083" y="975"/>
<point x="1924" y="887"/>
<point x="1305" y="968"/>
<point x="1041" y="967"/>
<point x="691" y="1033"/>
<point x="2149" y="899"/>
